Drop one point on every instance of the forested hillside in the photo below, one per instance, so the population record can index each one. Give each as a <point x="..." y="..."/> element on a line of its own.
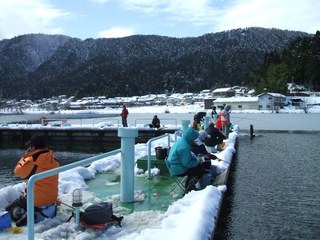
<point x="35" y="66"/>
<point x="297" y="63"/>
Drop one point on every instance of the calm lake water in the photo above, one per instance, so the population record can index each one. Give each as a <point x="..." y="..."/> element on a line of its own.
<point x="275" y="191"/>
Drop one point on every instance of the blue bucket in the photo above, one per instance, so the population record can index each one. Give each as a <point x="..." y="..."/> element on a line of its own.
<point x="5" y="221"/>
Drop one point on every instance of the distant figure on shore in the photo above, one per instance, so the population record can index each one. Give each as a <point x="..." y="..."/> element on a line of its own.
<point x="155" y="122"/>
<point x="124" y="114"/>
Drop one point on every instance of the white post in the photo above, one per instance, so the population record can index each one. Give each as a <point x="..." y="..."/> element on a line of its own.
<point x="128" y="136"/>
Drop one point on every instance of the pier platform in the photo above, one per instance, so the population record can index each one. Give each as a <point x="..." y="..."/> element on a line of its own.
<point x="105" y="139"/>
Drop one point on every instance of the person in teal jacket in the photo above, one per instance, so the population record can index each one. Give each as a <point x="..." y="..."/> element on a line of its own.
<point x="181" y="162"/>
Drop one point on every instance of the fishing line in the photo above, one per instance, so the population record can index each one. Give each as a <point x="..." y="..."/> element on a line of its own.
<point x="247" y="117"/>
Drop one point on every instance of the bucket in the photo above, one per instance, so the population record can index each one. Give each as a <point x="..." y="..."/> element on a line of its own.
<point x="161" y="153"/>
<point x="5" y="220"/>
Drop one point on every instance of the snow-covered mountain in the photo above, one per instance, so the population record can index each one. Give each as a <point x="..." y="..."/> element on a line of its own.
<point x="36" y="65"/>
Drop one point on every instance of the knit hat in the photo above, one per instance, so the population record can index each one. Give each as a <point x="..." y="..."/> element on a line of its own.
<point x="203" y="135"/>
<point x="38" y="141"/>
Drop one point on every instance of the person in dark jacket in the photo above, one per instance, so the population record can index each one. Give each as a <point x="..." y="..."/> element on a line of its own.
<point x="199" y="146"/>
<point x="155" y="122"/>
<point x="216" y="136"/>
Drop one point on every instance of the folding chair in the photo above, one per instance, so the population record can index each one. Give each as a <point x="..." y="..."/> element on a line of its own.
<point x="179" y="183"/>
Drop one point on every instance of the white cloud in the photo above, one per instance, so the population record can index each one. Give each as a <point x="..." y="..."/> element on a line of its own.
<point x="33" y="16"/>
<point x="197" y="12"/>
<point x="170" y="17"/>
<point x="116" y="32"/>
<point x="219" y="15"/>
<point x="99" y="2"/>
<point x="285" y="14"/>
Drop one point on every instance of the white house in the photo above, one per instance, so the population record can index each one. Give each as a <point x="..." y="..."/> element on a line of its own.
<point x="271" y="101"/>
<point x="238" y="103"/>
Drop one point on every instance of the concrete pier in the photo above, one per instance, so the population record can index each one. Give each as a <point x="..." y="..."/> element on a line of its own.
<point x="105" y="139"/>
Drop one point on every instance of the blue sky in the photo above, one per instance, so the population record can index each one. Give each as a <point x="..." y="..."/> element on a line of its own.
<point x="175" y="18"/>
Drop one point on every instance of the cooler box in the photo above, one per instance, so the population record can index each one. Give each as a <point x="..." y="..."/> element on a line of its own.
<point x="161" y="164"/>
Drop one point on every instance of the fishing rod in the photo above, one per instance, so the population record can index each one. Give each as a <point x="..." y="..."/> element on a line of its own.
<point x="59" y="202"/>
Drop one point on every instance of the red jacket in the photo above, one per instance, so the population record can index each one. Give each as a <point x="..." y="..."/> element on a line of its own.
<point x="223" y="117"/>
<point x="218" y="123"/>
<point x="124" y="113"/>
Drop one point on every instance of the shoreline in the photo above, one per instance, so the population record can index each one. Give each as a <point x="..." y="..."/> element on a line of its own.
<point x="285" y="120"/>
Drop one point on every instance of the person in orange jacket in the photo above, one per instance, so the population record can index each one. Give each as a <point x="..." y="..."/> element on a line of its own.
<point x="37" y="159"/>
<point x="222" y="120"/>
<point x="219" y="123"/>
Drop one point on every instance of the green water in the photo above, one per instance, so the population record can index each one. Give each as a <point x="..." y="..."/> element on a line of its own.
<point x="153" y="194"/>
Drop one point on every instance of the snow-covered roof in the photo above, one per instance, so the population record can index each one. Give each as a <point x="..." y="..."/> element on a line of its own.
<point x="222" y="90"/>
<point x="236" y="99"/>
<point x="272" y="94"/>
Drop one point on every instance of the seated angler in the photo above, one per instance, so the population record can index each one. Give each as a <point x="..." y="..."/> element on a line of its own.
<point x="181" y="161"/>
<point x="37" y="159"/>
<point x="155" y="122"/>
<point x="216" y="136"/>
<point x="199" y="147"/>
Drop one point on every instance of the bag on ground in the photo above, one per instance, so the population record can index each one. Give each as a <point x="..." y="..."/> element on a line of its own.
<point x="97" y="213"/>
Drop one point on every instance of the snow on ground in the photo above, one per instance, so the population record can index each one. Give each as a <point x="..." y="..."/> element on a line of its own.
<point x="190" y="217"/>
<point x="193" y="108"/>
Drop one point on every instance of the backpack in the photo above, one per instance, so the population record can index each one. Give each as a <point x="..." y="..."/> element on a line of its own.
<point x="98" y="215"/>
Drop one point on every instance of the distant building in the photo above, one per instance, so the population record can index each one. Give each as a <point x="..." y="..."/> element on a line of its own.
<point x="271" y="101"/>
<point x="298" y="103"/>
<point x="223" y="92"/>
<point x="238" y="103"/>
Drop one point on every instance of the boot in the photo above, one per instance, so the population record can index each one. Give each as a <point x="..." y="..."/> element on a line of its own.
<point x="22" y="221"/>
<point x="191" y="185"/>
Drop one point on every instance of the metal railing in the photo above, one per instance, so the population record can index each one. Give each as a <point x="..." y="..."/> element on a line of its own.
<point x="149" y="150"/>
<point x="80" y="121"/>
<point x="34" y="178"/>
<point x="84" y="162"/>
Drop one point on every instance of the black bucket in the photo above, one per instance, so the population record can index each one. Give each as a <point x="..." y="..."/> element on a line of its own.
<point x="161" y="153"/>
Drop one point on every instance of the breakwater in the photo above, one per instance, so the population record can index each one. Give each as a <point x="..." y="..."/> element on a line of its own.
<point x="102" y="139"/>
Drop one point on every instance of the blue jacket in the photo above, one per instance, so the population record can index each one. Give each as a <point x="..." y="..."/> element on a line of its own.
<point x="180" y="158"/>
